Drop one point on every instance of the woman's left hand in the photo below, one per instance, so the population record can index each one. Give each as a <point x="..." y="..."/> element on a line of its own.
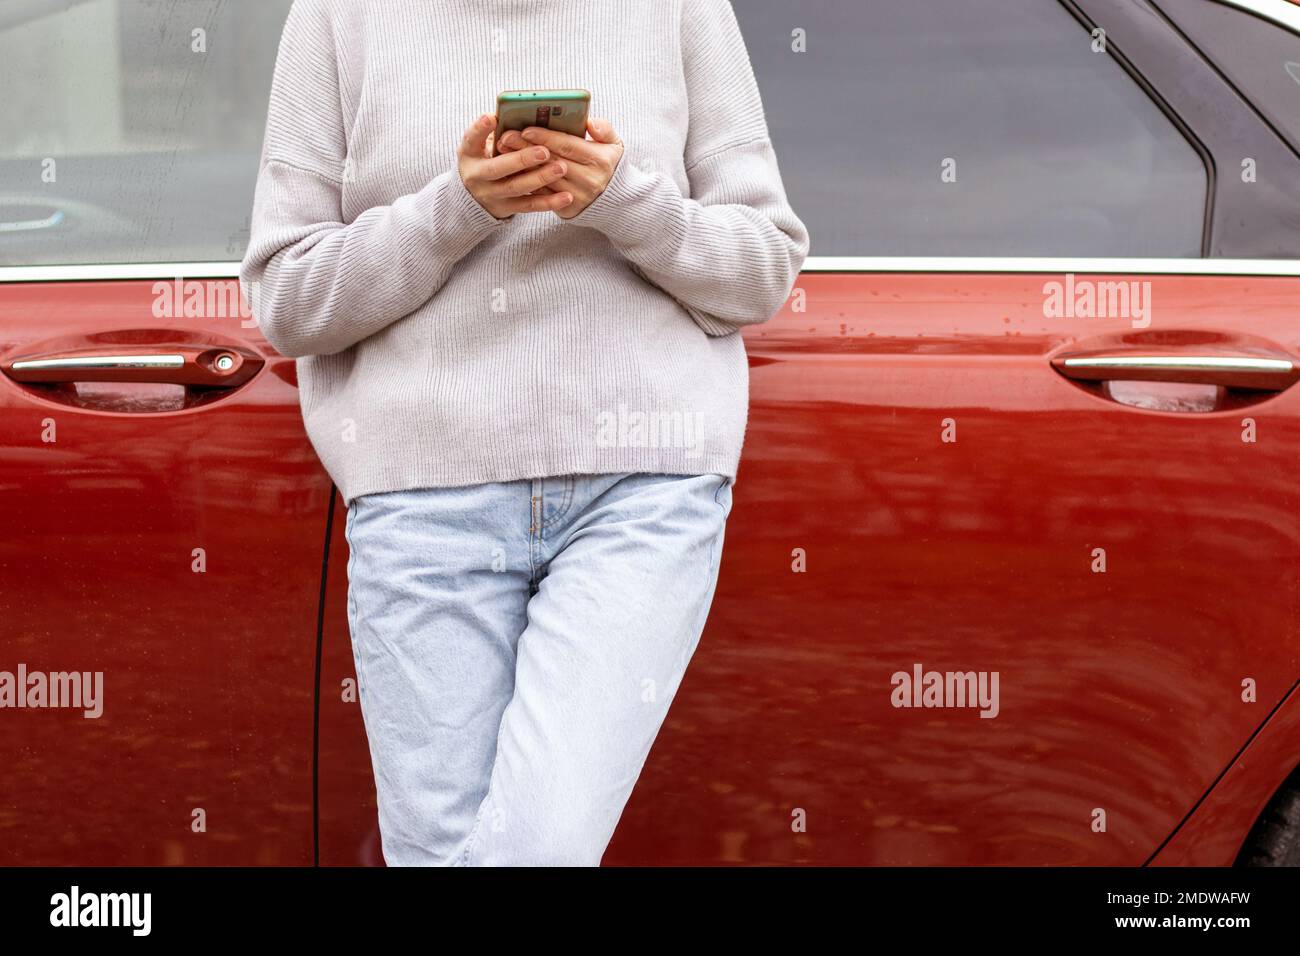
<point x="591" y="162"/>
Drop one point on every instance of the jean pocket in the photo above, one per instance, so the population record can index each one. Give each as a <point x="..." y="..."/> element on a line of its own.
<point x="723" y="495"/>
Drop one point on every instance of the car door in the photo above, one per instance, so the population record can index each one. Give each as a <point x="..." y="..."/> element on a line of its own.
<point x="164" y="513"/>
<point x="1029" y="414"/>
<point x="1028" y="417"/>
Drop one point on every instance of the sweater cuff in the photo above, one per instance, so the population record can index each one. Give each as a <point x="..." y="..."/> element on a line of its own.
<point x="634" y="206"/>
<point x="453" y="213"/>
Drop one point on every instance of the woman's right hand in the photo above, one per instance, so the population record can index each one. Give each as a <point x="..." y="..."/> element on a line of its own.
<point x="512" y="182"/>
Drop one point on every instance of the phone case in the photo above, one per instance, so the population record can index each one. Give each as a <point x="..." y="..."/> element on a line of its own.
<point x="563" y="110"/>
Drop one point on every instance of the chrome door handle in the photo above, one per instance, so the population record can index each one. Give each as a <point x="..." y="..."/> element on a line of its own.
<point x="91" y="362"/>
<point x="197" y="366"/>
<point x="1271" y="374"/>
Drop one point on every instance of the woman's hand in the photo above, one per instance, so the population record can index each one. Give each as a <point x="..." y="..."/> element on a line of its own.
<point x="591" y="161"/>
<point x="512" y="182"/>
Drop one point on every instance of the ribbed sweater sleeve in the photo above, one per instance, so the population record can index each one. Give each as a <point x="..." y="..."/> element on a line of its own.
<point x="319" y="285"/>
<point x="731" y="251"/>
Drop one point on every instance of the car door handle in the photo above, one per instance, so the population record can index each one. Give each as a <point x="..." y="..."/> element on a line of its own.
<point x="1260" y="373"/>
<point x="196" y="366"/>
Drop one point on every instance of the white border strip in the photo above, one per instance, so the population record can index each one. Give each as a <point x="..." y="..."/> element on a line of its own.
<point x="162" y="271"/>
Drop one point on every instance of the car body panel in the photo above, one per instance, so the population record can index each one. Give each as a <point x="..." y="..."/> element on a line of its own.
<point x="1213" y="831"/>
<point x="207" y="677"/>
<point x="968" y="555"/>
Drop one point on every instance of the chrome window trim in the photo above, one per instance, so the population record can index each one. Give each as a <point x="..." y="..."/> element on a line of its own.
<point x="170" y="271"/>
<point x="1055" y="266"/>
<point x="161" y="271"/>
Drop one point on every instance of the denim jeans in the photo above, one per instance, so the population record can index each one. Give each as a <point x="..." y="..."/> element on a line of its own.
<point x="517" y="646"/>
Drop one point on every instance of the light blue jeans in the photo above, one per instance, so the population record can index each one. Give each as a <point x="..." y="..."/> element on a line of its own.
<point x="517" y="646"/>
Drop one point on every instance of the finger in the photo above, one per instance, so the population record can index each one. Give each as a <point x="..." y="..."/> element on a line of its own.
<point x="524" y="183"/>
<point x="580" y="180"/>
<point x="602" y="130"/>
<point x="539" y="202"/>
<point x="568" y="184"/>
<point x="511" y="140"/>
<point x="563" y="184"/>
<point x="562" y="144"/>
<point x="508" y="164"/>
<point x="473" y="145"/>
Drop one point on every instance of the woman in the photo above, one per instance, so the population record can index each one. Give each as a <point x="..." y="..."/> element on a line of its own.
<point x="524" y="375"/>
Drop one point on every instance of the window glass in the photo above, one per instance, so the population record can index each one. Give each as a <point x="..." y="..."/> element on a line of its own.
<point x="130" y="129"/>
<point x="1051" y="148"/>
<point x="1259" y="57"/>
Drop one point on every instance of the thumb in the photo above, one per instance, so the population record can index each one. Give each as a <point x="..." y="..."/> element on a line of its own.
<point x="602" y="131"/>
<point x="474" y="143"/>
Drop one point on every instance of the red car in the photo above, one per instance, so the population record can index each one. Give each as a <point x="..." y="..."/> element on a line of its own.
<point x="1013" y="574"/>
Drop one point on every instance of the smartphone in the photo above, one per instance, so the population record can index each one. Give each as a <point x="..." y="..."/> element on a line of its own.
<point x="565" y="110"/>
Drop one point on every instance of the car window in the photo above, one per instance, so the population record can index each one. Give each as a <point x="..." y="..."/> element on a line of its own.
<point x="130" y="129"/>
<point x="1051" y="148"/>
<point x="1259" y="57"/>
<point x="127" y="136"/>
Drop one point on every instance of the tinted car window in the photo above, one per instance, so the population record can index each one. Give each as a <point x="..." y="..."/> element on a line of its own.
<point x="1259" y="57"/>
<point x="1055" y="150"/>
<point x="130" y="129"/>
